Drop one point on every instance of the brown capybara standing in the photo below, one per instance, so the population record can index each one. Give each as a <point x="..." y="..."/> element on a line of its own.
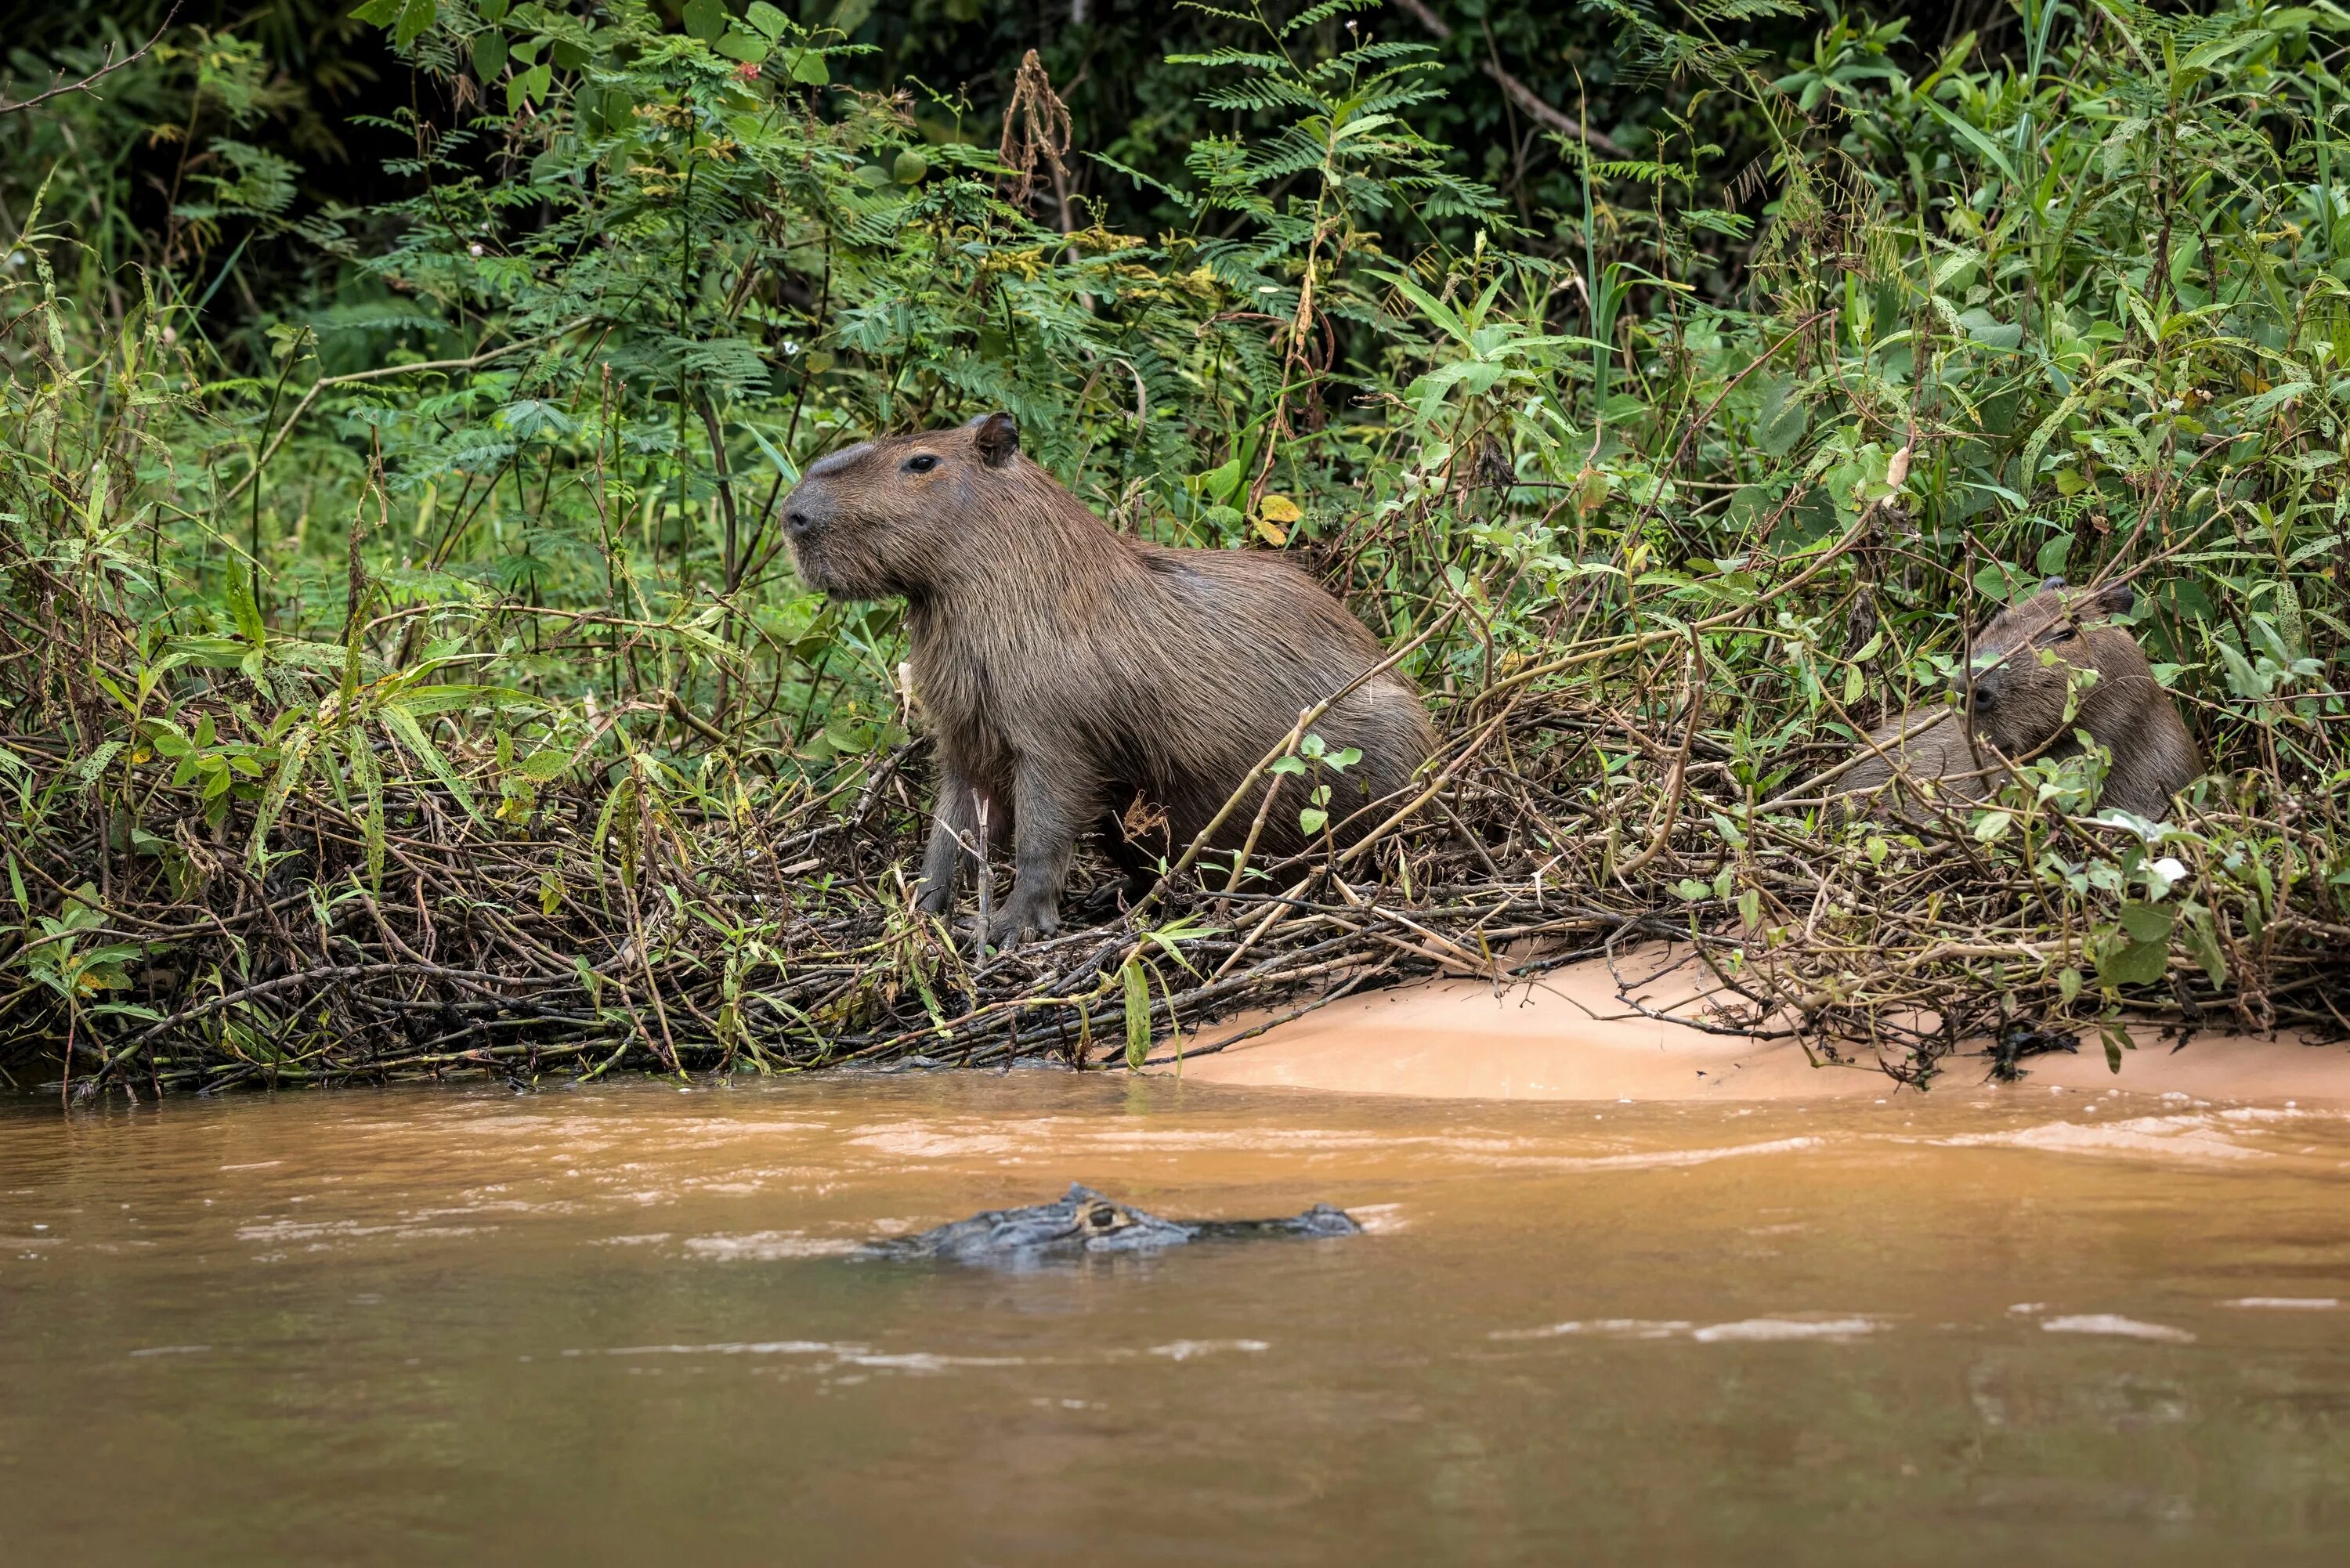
<point x="1066" y="669"/>
<point x="2025" y="664"/>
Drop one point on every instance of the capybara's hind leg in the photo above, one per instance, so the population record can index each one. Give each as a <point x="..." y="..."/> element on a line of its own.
<point x="1137" y="866"/>
<point x="1049" y="812"/>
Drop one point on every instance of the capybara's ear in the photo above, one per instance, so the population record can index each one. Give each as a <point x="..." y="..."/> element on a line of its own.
<point x="997" y="437"/>
<point x="2117" y="598"/>
<point x="2050" y="585"/>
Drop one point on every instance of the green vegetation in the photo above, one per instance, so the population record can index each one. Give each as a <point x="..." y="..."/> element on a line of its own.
<point x="402" y="669"/>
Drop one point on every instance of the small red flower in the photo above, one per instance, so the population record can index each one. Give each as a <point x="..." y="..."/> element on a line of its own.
<point x="748" y="70"/>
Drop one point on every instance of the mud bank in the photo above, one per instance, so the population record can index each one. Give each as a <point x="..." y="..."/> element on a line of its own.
<point x="1571" y="1036"/>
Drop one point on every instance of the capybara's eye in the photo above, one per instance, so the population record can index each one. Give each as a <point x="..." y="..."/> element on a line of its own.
<point x="922" y="464"/>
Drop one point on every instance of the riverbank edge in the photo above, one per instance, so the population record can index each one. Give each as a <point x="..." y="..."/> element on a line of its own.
<point x="1576" y="1036"/>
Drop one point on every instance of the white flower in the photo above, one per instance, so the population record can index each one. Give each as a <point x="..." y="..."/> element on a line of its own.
<point x="476" y="248"/>
<point x="2167" y="870"/>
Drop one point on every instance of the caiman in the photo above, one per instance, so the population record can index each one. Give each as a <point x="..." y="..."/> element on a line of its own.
<point x="1084" y="1223"/>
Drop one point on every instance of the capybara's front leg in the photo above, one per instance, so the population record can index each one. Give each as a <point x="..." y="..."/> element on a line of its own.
<point x="951" y="825"/>
<point x="1048" y="814"/>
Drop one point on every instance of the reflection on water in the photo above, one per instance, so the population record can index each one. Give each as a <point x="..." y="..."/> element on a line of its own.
<point x="615" y="1326"/>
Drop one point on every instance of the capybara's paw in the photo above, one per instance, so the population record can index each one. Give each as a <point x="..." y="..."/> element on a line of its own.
<point x="1019" y="921"/>
<point x="933" y="900"/>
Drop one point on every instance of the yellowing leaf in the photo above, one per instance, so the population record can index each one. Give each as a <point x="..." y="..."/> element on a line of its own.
<point x="1279" y="509"/>
<point x="1272" y="533"/>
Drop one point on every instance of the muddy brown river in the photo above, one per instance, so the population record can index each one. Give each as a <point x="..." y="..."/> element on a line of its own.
<point x="616" y="1326"/>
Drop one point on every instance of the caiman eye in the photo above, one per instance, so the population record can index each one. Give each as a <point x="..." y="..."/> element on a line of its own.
<point x="922" y="464"/>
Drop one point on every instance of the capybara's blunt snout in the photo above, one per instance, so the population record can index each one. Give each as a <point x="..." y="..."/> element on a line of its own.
<point x="812" y="527"/>
<point x="807" y="508"/>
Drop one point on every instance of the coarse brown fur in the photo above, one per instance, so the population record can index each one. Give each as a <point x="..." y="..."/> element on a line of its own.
<point x="2028" y="664"/>
<point x="1065" y="668"/>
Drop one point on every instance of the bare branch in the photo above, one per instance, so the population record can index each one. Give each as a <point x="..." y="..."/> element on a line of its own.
<point x="1524" y="96"/>
<point x="59" y="87"/>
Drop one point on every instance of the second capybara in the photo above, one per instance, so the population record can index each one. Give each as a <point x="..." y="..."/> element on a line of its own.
<point x="2026" y="667"/>
<point x="1065" y="668"/>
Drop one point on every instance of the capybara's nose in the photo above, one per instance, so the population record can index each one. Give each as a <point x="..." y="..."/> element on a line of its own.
<point x="1981" y="694"/>
<point x="799" y="523"/>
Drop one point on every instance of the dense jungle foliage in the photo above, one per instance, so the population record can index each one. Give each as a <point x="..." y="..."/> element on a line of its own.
<point x="405" y="673"/>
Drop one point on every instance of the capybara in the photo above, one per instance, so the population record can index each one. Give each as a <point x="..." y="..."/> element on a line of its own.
<point x="2025" y="663"/>
<point x="1066" y="670"/>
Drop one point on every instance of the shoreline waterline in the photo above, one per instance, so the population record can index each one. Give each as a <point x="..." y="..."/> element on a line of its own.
<point x="1571" y="1036"/>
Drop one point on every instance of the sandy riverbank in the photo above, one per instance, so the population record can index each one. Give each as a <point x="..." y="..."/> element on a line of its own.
<point x="1569" y="1036"/>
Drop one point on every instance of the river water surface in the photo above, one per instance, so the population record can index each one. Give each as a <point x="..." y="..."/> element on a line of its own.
<point x="616" y="1326"/>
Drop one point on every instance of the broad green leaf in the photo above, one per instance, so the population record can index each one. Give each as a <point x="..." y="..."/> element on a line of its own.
<point x="2050" y="561"/>
<point x="415" y="18"/>
<point x="489" y="53"/>
<point x="1136" y="985"/>
<point x="740" y="44"/>
<point x="1982" y="327"/>
<point x="1782" y="418"/>
<point x="2203" y="940"/>
<point x="2148" y="922"/>
<point x="2135" y="963"/>
<point x="423" y="701"/>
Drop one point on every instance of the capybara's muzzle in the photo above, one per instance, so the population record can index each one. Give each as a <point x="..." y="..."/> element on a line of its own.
<point x="805" y="511"/>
